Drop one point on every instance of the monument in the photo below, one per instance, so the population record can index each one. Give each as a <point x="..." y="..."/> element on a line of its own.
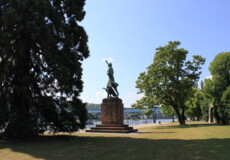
<point x="112" y="109"/>
<point x="211" y="118"/>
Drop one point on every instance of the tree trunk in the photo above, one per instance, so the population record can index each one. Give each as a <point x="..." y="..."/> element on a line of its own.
<point x="20" y="123"/>
<point x="182" y="116"/>
<point x="179" y="116"/>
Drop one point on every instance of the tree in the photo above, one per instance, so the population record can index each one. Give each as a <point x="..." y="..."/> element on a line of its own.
<point x="201" y="84"/>
<point x="226" y="102"/>
<point x="42" y="47"/>
<point x="168" y="111"/>
<point x="205" y="104"/>
<point x="216" y="88"/>
<point x="194" y="104"/>
<point x="145" y="102"/>
<point x="170" y="77"/>
<point x="147" y="112"/>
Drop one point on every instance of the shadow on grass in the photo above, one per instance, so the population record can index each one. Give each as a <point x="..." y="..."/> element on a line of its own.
<point x="118" y="148"/>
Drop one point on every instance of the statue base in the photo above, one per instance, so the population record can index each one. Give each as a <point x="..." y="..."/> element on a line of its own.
<point x="112" y="117"/>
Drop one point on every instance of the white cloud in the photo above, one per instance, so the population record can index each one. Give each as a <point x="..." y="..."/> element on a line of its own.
<point x="100" y="94"/>
<point x="209" y="77"/>
<point x="96" y="98"/>
<point x="130" y="97"/>
<point x="109" y="59"/>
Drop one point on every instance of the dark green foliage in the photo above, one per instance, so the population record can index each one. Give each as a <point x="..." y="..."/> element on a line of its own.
<point x="41" y="51"/>
<point x="205" y="104"/>
<point x="216" y="89"/>
<point x="170" y="77"/>
<point x="167" y="111"/>
<point x="226" y="102"/>
<point x="147" y="112"/>
<point x="193" y="104"/>
<point x="145" y="102"/>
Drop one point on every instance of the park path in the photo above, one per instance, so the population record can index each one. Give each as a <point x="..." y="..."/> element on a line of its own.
<point x="144" y="125"/>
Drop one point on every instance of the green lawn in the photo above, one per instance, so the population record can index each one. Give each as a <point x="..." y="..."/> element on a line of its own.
<point x="197" y="141"/>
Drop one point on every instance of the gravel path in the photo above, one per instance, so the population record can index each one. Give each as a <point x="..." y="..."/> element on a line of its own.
<point x="144" y="125"/>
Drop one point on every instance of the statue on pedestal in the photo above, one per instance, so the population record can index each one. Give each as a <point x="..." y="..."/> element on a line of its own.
<point x="111" y="87"/>
<point x="112" y="110"/>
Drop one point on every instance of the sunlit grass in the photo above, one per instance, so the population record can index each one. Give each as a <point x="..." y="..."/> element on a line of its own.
<point x="196" y="141"/>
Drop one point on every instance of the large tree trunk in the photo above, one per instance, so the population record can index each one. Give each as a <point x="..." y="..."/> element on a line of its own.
<point x="20" y="123"/>
<point x="183" y="116"/>
<point x="179" y="116"/>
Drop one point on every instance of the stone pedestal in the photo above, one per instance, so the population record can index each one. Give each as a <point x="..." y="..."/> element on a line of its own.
<point x="112" y="117"/>
<point x="112" y="111"/>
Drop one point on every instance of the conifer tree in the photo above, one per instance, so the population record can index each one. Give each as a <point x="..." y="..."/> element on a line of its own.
<point x="42" y="47"/>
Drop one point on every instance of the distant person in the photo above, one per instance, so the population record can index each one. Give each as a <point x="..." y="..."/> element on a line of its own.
<point x="159" y="122"/>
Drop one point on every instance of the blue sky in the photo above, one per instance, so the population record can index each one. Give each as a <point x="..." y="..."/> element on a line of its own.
<point x="127" y="32"/>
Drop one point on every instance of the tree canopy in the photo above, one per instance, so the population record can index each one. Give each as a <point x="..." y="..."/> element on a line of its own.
<point x="167" y="111"/>
<point x="216" y="88"/>
<point x="193" y="104"/>
<point x="42" y="47"/>
<point x="169" y="79"/>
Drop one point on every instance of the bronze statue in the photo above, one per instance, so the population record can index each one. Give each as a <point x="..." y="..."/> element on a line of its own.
<point x="111" y="87"/>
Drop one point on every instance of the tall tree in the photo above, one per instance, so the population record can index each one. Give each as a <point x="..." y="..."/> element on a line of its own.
<point x="205" y="104"/>
<point x="193" y="104"/>
<point x="170" y="77"/>
<point x="42" y="47"/>
<point x="216" y="88"/>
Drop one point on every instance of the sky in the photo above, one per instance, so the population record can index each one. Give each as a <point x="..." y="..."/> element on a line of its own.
<point x="127" y="33"/>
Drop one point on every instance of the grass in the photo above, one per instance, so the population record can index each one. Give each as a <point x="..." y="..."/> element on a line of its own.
<point x="196" y="141"/>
